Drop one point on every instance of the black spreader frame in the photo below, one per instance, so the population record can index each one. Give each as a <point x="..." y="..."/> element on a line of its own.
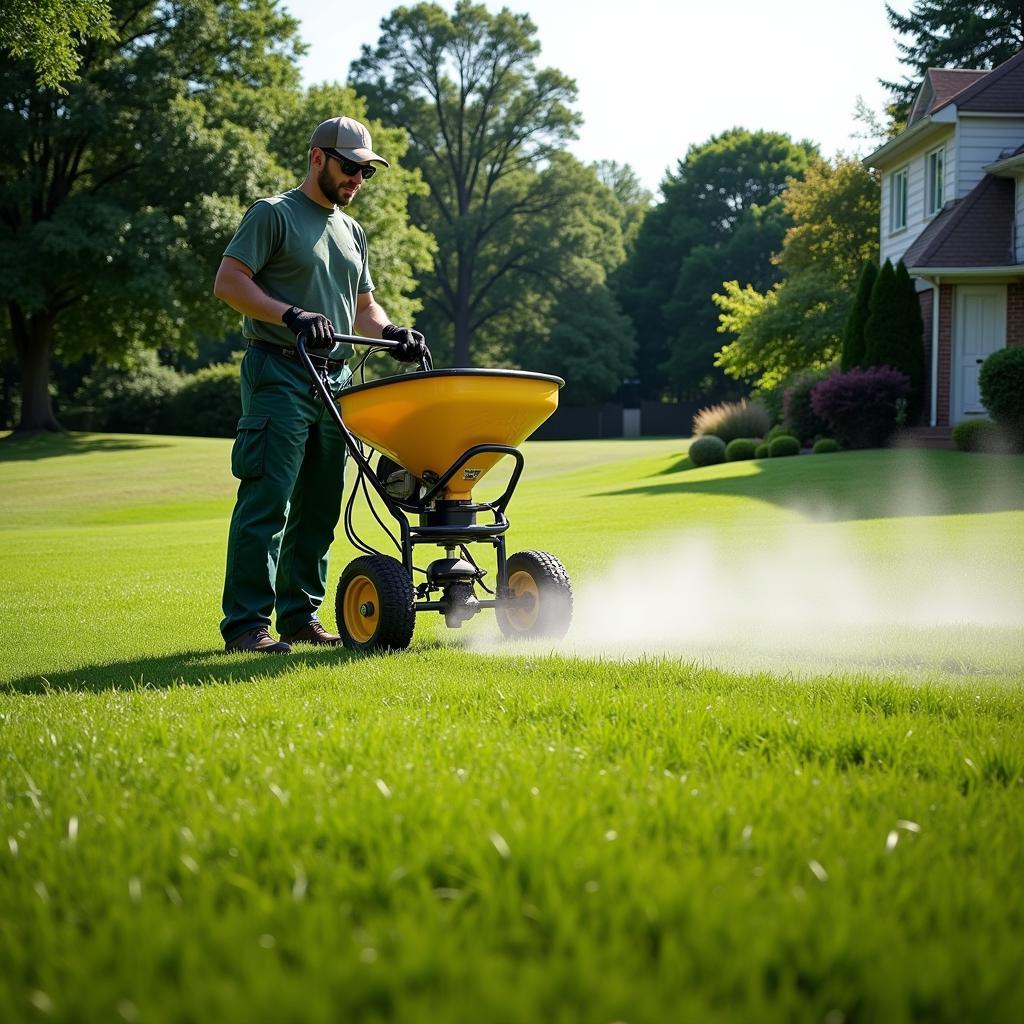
<point x="439" y="533"/>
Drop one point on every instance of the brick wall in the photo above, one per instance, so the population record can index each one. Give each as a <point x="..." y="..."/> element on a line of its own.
<point x="1015" y="314"/>
<point x="925" y="298"/>
<point x="945" y="353"/>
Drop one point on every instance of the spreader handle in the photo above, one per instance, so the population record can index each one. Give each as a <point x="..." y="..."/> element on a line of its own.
<point x="355" y="339"/>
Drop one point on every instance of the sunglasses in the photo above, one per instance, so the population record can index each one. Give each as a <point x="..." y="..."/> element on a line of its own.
<point x="350" y="167"/>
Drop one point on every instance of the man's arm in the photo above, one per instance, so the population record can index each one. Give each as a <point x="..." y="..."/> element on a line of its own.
<point x="370" y="319"/>
<point x="235" y="286"/>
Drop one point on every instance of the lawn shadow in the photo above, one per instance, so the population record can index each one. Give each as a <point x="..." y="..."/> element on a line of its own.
<point x="23" y="448"/>
<point x="185" y="668"/>
<point x="860" y="485"/>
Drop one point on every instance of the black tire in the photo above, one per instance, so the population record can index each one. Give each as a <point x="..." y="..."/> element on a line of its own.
<point x="382" y="585"/>
<point x="543" y="576"/>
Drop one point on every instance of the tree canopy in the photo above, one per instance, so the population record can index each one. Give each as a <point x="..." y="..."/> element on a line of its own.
<point x="48" y="34"/>
<point x="721" y="218"/>
<point x="483" y="118"/>
<point x="952" y="34"/>
<point x="118" y="196"/>
<point x="799" y="322"/>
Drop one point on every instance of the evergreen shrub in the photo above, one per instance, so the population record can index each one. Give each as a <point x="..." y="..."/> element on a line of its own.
<point x="784" y="446"/>
<point x="981" y="436"/>
<point x="209" y="403"/>
<point x="853" y="334"/>
<point x="132" y="400"/>
<point x="861" y="406"/>
<point x="707" y="450"/>
<point x="740" y="449"/>
<point x="729" y="420"/>
<point x="799" y="417"/>
<point x="825" y="446"/>
<point x="1002" y="390"/>
<point x="763" y="450"/>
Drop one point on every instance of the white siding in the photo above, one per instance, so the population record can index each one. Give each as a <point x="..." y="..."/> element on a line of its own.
<point x="1018" y="221"/>
<point x="979" y="141"/>
<point x="895" y="243"/>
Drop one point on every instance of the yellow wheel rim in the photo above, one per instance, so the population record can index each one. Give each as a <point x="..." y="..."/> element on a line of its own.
<point x="361" y="609"/>
<point x="524" y="616"/>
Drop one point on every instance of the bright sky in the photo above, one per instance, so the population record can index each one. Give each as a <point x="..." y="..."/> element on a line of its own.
<point x="655" y="77"/>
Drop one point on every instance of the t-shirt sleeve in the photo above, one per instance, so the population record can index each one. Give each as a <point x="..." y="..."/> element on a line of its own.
<point x="365" y="281"/>
<point x="257" y="237"/>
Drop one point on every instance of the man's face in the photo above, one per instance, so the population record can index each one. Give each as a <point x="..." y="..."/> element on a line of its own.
<point x="337" y="186"/>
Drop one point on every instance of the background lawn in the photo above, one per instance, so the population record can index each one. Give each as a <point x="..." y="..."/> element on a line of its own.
<point x="775" y="771"/>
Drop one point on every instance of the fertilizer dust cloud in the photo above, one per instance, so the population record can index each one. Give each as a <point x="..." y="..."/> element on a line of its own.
<point x="817" y="591"/>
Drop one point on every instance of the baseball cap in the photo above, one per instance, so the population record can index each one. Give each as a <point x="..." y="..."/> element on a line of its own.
<point x="348" y="137"/>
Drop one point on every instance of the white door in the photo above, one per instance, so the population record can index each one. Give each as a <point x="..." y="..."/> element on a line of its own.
<point x="979" y="330"/>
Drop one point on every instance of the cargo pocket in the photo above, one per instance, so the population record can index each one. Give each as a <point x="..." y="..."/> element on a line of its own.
<point x="250" y="447"/>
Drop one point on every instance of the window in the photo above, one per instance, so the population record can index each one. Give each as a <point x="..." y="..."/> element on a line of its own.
<point x="935" y="180"/>
<point x="898" y="200"/>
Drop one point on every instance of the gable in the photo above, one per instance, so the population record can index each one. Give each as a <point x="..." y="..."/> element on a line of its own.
<point x="1000" y="91"/>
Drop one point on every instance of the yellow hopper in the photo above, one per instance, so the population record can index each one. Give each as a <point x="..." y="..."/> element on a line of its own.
<point x="426" y="421"/>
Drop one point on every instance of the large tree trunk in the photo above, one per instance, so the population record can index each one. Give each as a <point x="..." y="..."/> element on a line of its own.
<point x="463" y="334"/>
<point x="33" y="343"/>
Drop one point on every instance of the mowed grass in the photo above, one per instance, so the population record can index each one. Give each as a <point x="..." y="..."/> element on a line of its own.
<point x="514" y="836"/>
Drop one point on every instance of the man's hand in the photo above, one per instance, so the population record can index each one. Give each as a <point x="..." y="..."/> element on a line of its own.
<point x="319" y="331"/>
<point x="412" y="346"/>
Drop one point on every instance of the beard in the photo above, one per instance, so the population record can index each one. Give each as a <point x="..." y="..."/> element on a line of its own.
<point x="331" y="191"/>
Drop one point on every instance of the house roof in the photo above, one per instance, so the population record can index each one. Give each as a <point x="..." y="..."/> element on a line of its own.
<point x="940" y="85"/>
<point x="999" y="91"/>
<point x="977" y="231"/>
<point x="1008" y="164"/>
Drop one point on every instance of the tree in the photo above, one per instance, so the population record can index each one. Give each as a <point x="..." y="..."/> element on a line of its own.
<point x="894" y="331"/>
<point x="483" y="119"/>
<point x="630" y="195"/>
<point x="48" y="33"/>
<point x="721" y="218"/>
<point x="117" y="198"/>
<point x="952" y="33"/>
<point x="853" y="335"/>
<point x="799" y="323"/>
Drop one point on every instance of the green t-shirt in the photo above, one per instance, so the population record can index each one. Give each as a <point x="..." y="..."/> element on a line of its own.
<point x="306" y="255"/>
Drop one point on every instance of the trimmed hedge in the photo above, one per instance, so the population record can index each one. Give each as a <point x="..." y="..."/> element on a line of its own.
<point x="740" y="449"/>
<point x="123" y="400"/>
<point x="981" y="436"/>
<point x="763" y="450"/>
<point x="209" y="403"/>
<point x="825" y="446"/>
<point x="708" y="450"/>
<point x="784" y="446"/>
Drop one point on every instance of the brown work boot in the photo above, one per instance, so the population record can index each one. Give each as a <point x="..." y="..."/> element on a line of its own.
<point x="312" y="633"/>
<point x="257" y="640"/>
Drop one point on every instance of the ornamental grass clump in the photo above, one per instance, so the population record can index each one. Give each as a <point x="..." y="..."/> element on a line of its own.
<point x="708" y="450"/>
<point x="740" y="449"/>
<point x="730" y="420"/>
<point x="862" y="406"/>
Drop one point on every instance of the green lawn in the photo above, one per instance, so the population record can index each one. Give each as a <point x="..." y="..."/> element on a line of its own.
<point x="775" y="772"/>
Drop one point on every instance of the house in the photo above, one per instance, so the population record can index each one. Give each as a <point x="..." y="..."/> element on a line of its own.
<point x="953" y="210"/>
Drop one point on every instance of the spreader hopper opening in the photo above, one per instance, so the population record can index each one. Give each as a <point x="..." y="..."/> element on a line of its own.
<point x="425" y="421"/>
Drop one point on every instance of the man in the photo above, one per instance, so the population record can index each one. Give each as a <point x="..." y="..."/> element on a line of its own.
<point x="296" y="265"/>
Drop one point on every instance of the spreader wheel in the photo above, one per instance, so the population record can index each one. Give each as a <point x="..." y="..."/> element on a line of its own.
<point x="542" y="596"/>
<point x="374" y="604"/>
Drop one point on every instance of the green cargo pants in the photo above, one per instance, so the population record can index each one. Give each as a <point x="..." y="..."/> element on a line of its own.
<point x="290" y="458"/>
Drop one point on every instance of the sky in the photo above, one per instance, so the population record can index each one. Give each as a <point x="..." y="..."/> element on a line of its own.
<point x="655" y="78"/>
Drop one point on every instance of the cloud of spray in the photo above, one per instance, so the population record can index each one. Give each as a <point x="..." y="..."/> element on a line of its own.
<point x="818" y="592"/>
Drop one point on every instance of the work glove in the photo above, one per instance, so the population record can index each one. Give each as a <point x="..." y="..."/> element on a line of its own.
<point x="319" y="331"/>
<point x="412" y="345"/>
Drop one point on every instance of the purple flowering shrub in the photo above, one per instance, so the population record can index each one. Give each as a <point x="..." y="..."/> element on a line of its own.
<point x="862" y="405"/>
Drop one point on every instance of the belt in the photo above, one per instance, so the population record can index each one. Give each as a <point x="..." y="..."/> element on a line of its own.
<point x="286" y="352"/>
